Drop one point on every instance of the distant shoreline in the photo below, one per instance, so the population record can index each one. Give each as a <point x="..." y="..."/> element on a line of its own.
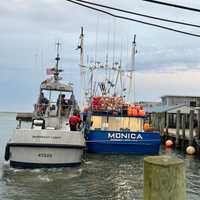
<point x="8" y="112"/>
<point x="13" y="112"/>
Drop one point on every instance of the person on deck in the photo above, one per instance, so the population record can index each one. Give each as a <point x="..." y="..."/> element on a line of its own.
<point x="42" y="103"/>
<point x="62" y="104"/>
<point x="74" y="122"/>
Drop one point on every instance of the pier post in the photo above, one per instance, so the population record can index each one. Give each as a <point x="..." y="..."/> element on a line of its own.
<point x="178" y="120"/>
<point x="164" y="178"/>
<point x="198" y="129"/>
<point x="191" y="127"/>
<point x="183" y="123"/>
<point x="198" y="123"/>
<point x="167" y="122"/>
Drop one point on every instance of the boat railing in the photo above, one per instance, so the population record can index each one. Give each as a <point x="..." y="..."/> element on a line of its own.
<point x="114" y="113"/>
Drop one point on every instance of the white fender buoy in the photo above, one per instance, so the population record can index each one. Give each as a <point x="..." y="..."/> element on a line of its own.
<point x="190" y="150"/>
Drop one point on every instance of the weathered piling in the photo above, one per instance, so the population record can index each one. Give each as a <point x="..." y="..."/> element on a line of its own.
<point x="198" y="123"/>
<point x="164" y="178"/>
<point x="178" y="123"/>
<point x="167" y="122"/>
<point x="183" y="124"/>
<point x="191" y="127"/>
<point x="198" y="129"/>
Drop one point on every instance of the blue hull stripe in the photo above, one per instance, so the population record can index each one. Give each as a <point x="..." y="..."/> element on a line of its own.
<point x="99" y="142"/>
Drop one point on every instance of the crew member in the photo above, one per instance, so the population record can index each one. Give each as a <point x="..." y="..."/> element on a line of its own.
<point x="74" y="122"/>
<point x="62" y="104"/>
<point x="42" y="103"/>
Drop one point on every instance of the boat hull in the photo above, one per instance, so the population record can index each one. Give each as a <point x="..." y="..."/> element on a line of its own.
<point x="139" y="143"/>
<point x="33" y="156"/>
<point x="45" y="148"/>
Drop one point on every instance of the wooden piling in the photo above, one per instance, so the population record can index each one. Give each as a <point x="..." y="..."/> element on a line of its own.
<point x="164" y="178"/>
<point x="183" y="124"/>
<point x="191" y="127"/>
<point x="178" y="120"/>
<point x="198" y="123"/>
<point x="198" y="130"/>
<point x="167" y="122"/>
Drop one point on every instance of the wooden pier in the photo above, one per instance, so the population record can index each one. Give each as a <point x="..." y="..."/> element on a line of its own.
<point x="181" y="135"/>
<point x="24" y="116"/>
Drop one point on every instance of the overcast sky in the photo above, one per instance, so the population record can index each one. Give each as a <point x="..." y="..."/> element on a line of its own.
<point x="166" y="62"/>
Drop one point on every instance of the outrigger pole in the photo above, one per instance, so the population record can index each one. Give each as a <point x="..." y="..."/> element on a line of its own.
<point x="131" y="92"/>
<point x="82" y="73"/>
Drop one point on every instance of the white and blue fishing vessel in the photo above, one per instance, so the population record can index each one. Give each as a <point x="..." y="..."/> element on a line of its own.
<point x="110" y="124"/>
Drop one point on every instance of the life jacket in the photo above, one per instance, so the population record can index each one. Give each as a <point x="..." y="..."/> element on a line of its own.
<point x="73" y="120"/>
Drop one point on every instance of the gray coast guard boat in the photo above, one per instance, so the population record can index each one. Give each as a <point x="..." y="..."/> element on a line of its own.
<point x="48" y="142"/>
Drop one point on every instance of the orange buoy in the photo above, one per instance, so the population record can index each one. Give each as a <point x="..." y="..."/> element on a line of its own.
<point x="146" y="126"/>
<point x="169" y="143"/>
<point x="130" y="111"/>
<point x="134" y="111"/>
<point x="141" y="113"/>
<point x="138" y="107"/>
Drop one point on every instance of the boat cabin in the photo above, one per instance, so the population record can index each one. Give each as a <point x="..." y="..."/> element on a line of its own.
<point x="55" y="103"/>
<point x="117" y="123"/>
<point x="55" y="99"/>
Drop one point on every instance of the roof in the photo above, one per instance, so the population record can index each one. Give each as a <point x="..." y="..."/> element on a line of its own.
<point x="51" y="84"/>
<point x="180" y="96"/>
<point x="164" y="108"/>
<point x="171" y="109"/>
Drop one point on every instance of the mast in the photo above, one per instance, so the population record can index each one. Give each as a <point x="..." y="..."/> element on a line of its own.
<point x="56" y="73"/>
<point x="131" y="92"/>
<point x="82" y="72"/>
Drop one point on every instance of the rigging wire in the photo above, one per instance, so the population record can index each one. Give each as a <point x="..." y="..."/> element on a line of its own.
<point x="114" y="40"/>
<point x="96" y="42"/>
<point x="173" y="5"/>
<point x="131" y="19"/>
<point x="139" y="14"/>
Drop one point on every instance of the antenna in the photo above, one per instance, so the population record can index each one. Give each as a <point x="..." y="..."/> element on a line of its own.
<point x="56" y="73"/>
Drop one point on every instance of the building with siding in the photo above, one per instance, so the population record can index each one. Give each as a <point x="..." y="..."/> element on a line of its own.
<point x="171" y="100"/>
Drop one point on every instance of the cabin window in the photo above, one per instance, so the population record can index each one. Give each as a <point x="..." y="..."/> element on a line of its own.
<point x="117" y="123"/>
<point x="193" y="103"/>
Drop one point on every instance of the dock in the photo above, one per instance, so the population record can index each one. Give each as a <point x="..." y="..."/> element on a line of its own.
<point x="24" y="116"/>
<point x="187" y="130"/>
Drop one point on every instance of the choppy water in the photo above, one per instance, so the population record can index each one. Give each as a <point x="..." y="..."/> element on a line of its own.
<point x="107" y="177"/>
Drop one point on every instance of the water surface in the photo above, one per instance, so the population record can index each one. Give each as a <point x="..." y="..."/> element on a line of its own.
<point x="109" y="177"/>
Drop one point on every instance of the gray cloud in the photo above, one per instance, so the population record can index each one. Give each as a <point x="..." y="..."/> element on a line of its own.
<point x="30" y="29"/>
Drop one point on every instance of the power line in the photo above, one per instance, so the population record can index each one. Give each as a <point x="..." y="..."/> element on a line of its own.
<point x="174" y="5"/>
<point x="139" y="14"/>
<point x="131" y="19"/>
